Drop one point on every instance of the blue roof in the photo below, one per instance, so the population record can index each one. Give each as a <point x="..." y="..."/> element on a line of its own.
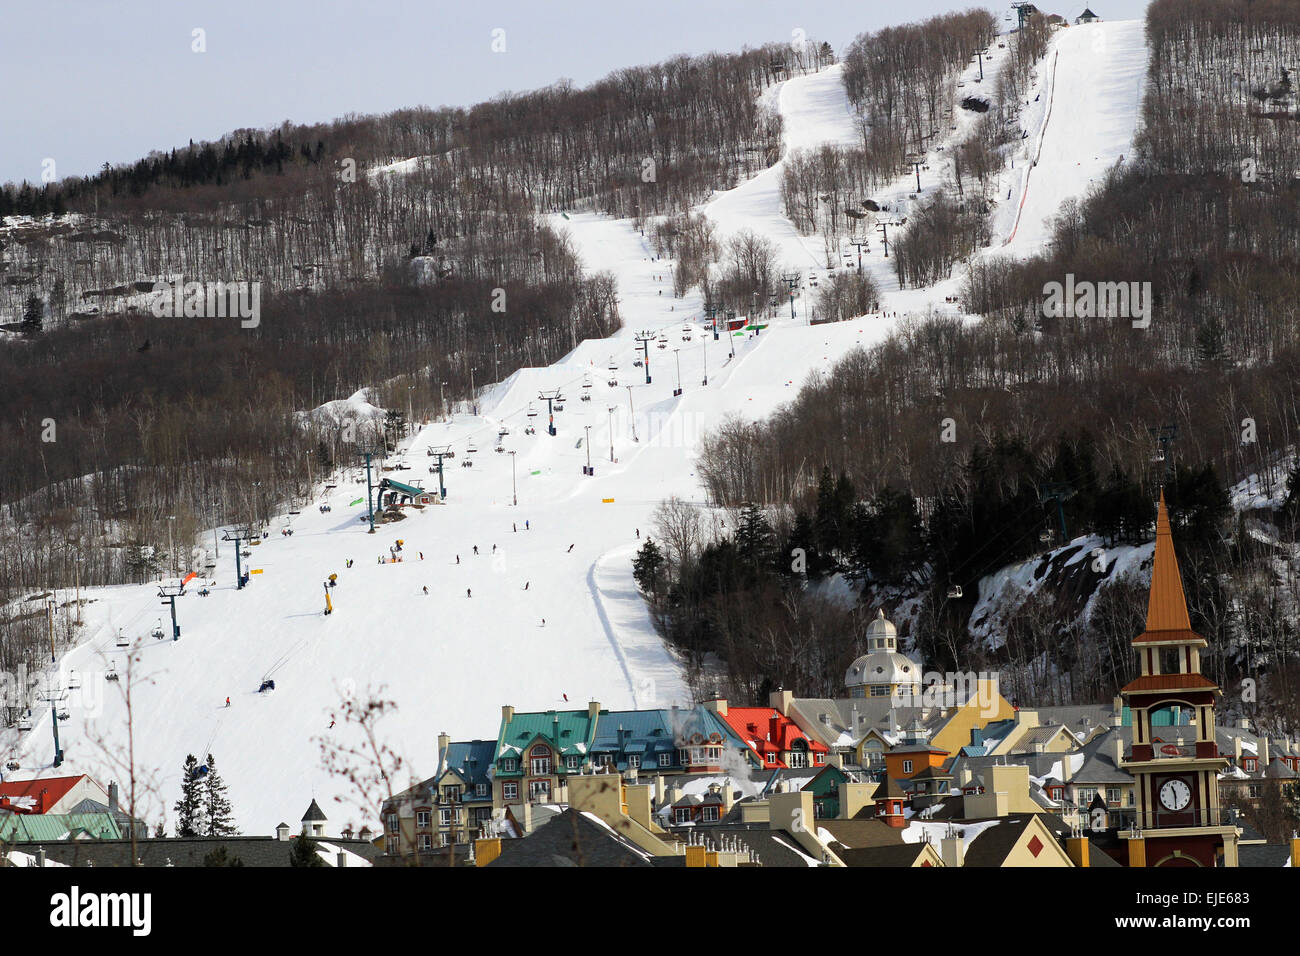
<point x="470" y="759"/>
<point x="634" y="732"/>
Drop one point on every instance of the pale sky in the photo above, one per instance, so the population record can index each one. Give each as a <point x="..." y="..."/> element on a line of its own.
<point x="92" y="81"/>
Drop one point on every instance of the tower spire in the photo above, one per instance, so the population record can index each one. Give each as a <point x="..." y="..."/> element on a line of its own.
<point x="1167" y="605"/>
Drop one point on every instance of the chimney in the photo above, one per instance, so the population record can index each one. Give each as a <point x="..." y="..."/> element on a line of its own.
<point x="507" y="713"/>
<point x="112" y="797"/>
<point x="953" y="851"/>
<point x="659" y="790"/>
<point x="593" y="709"/>
<point x="40" y="855"/>
<point x="1263" y="753"/>
<point x="1236" y="750"/>
<point x="342" y="860"/>
<point x="718" y="705"/>
<point x="836" y="759"/>
<point x="444" y="742"/>
<point x="1076" y="847"/>
<point x="1117" y="750"/>
<point x="1067" y="767"/>
<point x="728" y="798"/>
<point x="780" y="700"/>
<point x="1243" y="723"/>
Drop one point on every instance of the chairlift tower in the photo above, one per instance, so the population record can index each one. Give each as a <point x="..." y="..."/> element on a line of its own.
<point x="1165" y="434"/>
<point x="550" y="411"/>
<point x="644" y="338"/>
<point x="791" y="279"/>
<point x="883" y="228"/>
<point x="859" y="243"/>
<point x="239" y="536"/>
<point x="370" y="510"/>
<point x="54" y="698"/>
<point x="169" y="593"/>
<point x="439" y="453"/>
<point x="1058" y="492"/>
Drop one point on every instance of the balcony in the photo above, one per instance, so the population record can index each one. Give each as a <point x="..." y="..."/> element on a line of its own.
<point x="1175" y="750"/>
<point x="1161" y="818"/>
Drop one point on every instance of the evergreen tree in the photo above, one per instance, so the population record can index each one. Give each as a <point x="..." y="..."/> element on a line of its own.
<point x="647" y="567"/>
<point x="303" y="852"/>
<point x="802" y="536"/>
<point x="220" y="857"/>
<point x="755" y="540"/>
<point x="33" y="315"/>
<point x="189" y="807"/>
<point x="218" y="816"/>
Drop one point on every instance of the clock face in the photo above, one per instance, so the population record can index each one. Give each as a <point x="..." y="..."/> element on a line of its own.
<point x="1175" y="794"/>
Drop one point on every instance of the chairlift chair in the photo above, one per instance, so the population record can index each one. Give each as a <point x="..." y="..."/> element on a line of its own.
<point x="954" y="591"/>
<point x="470" y="449"/>
<point x="24" y="723"/>
<point x="74" y="680"/>
<point x="122" y="639"/>
<point x="157" y="632"/>
<point x="532" y="412"/>
<point x="112" y="671"/>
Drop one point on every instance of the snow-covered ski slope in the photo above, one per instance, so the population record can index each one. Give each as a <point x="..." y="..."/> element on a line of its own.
<point x="1096" y="75"/>
<point x="450" y="660"/>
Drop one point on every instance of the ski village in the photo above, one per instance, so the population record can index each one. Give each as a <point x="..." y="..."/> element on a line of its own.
<point x="878" y="453"/>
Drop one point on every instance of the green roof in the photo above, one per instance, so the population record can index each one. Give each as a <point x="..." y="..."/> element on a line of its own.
<point x="562" y="729"/>
<point x="29" y="827"/>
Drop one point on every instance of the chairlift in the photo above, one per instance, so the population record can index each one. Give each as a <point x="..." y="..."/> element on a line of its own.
<point x="503" y="432"/>
<point x="24" y="723"/>
<point x="532" y="412"/>
<point x="112" y="671"/>
<point x="499" y="449"/>
<point x="470" y="449"/>
<point x="157" y="632"/>
<point x="122" y="639"/>
<point x="559" y="407"/>
<point x="954" y="591"/>
<point x="74" y="680"/>
<point x="1045" y="536"/>
<point x="12" y="764"/>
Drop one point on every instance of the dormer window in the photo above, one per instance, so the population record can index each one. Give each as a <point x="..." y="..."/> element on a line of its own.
<point x="1249" y="763"/>
<point x="509" y="764"/>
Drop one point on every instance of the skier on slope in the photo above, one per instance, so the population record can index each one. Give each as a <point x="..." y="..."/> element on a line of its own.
<point x="458" y="559"/>
<point x="570" y="549"/>
<point x="476" y="549"/>
<point x="526" y="585"/>
<point x="467" y="593"/>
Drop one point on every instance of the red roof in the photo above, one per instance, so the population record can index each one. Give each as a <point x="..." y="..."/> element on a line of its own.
<point x="766" y="730"/>
<point x="1159" y="682"/>
<point x="53" y="789"/>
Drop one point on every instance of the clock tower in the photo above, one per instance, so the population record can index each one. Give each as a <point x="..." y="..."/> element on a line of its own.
<point x="1174" y="758"/>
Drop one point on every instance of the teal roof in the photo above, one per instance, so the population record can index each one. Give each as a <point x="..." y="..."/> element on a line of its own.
<point x="34" y="827"/>
<point x="562" y="729"/>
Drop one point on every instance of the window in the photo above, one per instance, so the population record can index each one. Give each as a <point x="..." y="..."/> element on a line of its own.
<point x="451" y="794"/>
<point x="540" y="762"/>
<point x="771" y="756"/>
<point x="1253" y="790"/>
<point x="682" y="815"/>
<point x="602" y="760"/>
<point x="665" y="759"/>
<point x="426" y="841"/>
<point x="633" y="762"/>
<point x="907" y="766"/>
<point x="539" y="789"/>
<point x="1248" y="763"/>
<point x="797" y="758"/>
<point x="1085" y="794"/>
<point x="509" y="764"/>
<point x="392" y="823"/>
<point x="421" y="818"/>
<point x="819" y="758"/>
<point x="1112" y="796"/>
<point x="709" y="814"/>
<point x="572" y="762"/>
<point x="393" y="849"/>
<point x="444" y="817"/>
<point x="878" y="691"/>
<point x="480" y="789"/>
<point x="510" y="790"/>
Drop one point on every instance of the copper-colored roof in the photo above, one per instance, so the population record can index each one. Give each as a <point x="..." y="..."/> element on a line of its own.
<point x="1167" y="608"/>
<point x="1170" y="682"/>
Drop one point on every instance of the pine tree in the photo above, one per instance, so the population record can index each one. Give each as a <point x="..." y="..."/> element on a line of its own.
<point x="303" y="852"/>
<point x="33" y="314"/>
<point x="189" y="807"/>
<point x="220" y="857"/>
<point x="647" y="566"/>
<point x="218" y="816"/>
